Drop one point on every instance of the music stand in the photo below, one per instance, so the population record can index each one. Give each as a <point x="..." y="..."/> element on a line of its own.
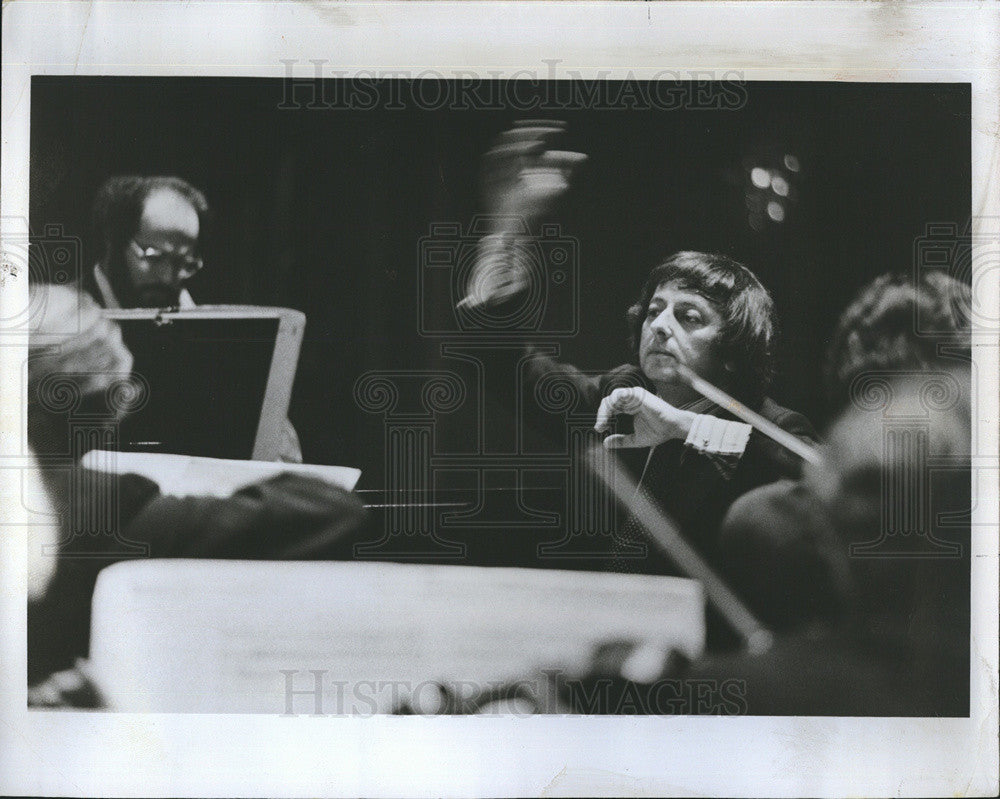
<point x="219" y="379"/>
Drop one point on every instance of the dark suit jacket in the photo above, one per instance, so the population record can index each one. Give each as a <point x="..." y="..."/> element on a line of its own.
<point x="689" y="487"/>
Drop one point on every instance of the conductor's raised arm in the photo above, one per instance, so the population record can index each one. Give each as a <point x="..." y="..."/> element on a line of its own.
<point x="523" y="180"/>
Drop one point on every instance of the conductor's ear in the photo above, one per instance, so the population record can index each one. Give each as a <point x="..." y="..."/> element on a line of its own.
<point x="730" y="366"/>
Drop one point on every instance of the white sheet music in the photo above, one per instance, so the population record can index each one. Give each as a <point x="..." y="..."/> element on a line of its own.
<point x="187" y="475"/>
<point x="220" y="636"/>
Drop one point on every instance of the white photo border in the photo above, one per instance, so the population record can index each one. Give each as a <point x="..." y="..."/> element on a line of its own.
<point x="80" y="753"/>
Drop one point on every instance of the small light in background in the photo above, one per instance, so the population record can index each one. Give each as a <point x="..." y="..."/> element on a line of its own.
<point x="760" y="177"/>
<point x="772" y="185"/>
<point x="772" y="179"/>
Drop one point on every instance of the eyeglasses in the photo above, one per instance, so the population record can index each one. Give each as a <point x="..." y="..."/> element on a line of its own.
<point x="183" y="263"/>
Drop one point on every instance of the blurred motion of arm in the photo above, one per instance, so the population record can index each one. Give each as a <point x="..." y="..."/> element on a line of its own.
<point x="523" y="179"/>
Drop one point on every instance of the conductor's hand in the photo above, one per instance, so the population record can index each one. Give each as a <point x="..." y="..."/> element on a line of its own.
<point x="522" y="181"/>
<point x="523" y="177"/>
<point x="655" y="421"/>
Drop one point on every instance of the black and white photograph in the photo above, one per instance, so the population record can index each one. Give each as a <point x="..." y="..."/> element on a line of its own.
<point x="630" y="430"/>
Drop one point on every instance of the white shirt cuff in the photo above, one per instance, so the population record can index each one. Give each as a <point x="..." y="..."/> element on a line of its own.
<point x="722" y="440"/>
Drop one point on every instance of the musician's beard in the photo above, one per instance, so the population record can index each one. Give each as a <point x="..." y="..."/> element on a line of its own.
<point x="150" y="295"/>
<point x="157" y="296"/>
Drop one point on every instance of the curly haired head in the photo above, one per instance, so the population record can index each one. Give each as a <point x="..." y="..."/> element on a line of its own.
<point x="749" y="327"/>
<point x="897" y="323"/>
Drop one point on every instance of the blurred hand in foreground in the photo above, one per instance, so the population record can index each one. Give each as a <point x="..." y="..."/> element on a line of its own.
<point x="523" y="177"/>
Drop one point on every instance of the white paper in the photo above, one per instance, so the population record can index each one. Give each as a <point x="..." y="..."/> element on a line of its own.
<point x="189" y="475"/>
<point x="197" y="636"/>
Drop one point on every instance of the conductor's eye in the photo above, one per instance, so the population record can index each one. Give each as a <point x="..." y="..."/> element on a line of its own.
<point x="692" y="317"/>
<point x="652" y="313"/>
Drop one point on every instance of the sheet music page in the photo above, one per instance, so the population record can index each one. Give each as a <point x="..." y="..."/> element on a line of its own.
<point x="371" y="629"/>
<point x="189" y="475"/>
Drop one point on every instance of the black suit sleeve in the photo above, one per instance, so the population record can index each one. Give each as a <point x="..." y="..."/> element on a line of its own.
<point x="765" y="460"/>
<point x="286" y="517"/>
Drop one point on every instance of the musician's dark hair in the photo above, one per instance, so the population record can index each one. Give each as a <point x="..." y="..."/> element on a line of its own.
<point x="899" y="323"/>
<point x="118" y="204"/>
<point x="117" y="210"/>
<point x="748" y="322"/>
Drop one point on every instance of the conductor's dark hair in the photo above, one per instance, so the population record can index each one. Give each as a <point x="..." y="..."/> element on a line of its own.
<point x="118" y="204"/>
<point x="897" y="323"/>
<point x="746" y="339"/>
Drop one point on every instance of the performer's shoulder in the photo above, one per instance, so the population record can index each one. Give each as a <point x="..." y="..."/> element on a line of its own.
<point x="786" y="418"/>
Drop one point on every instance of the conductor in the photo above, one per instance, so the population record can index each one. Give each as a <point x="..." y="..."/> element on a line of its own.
<point x="702" y="311"/>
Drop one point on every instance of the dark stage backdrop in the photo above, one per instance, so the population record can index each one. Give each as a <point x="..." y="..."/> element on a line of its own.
<point x="321" y="209"/>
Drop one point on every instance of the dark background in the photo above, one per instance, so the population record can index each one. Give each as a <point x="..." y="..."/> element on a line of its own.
<point x="322" y="209"/>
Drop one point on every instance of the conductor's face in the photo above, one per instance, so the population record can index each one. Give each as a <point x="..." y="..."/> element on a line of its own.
<point x="163" y="253"/>
<point x="680" y="327"/>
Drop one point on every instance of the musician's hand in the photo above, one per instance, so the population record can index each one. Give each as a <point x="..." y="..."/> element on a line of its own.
<point x="72" y="688"/>
<point x="289" y="448"/>
<point x="523" y="178"/>
<point x="71" y="337"/>
<point x="655" y="421"/>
